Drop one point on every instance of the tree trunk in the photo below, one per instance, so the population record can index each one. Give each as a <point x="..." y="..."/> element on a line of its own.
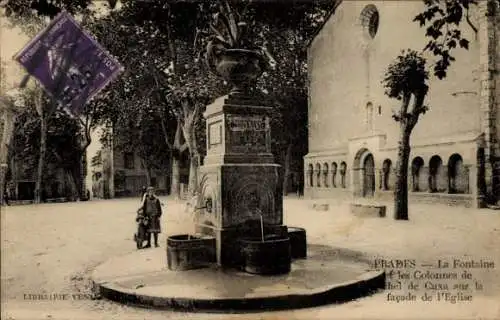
<point x="188" y="130"/>
<point x="176" y="150"/>
<point x="401" y="188"/>
<point x="70" y="175"/>
<point x="193" y="172"/>
<point x="148" y="172"/>
<point x="41" y="159"/>
<point x="9" y="121"/>
<point x="84" y="165"/>
<point x="79" y="179"/>
<point x="286" y="174"/>
<point x="82" y="176"/>
<point x="44" y="112"/>
<point x="175" y="188"/>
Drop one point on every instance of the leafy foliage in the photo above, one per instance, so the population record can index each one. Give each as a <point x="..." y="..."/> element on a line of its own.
<point x="63" y="135"/>
<point x="49" y="8"/>
<point x="228" y="29"/>
<point x="406" y="74"/>
<point x="442" y="19"/>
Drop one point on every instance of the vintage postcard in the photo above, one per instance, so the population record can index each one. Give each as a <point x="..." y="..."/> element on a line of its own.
<point x="250" y="159"/>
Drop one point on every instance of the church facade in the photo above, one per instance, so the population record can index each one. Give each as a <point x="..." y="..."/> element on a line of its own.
<point x="353" y="139"/>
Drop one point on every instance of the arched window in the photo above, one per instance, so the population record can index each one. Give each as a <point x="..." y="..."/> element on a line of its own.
<point x="386" y="171"/>
<point x="416" y="169"/>
<point x="343" y="171"/>
<point x="310" y="174"/>
<point x="334" y="174"/>
<point x="458" y="177"/>
<point x="435" y="168"/>
<point x="369" y="116"/>
<point x="325" y="174"/>
<point x="318" y="175"/>
<point x="370" y="20"/>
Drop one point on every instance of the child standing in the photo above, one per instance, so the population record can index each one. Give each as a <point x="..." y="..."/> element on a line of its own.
<point x="151" y="209"/>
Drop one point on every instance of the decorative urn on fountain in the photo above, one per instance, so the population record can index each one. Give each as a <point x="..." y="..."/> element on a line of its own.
<point x="230" y="55"/>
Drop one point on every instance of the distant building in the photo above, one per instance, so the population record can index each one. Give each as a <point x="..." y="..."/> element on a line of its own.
<point x="353" y="139"/>
<point x="116" y="173"/>
<point x="21" y="181"/>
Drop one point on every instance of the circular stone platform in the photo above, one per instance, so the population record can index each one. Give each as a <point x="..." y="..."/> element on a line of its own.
<point x="328" y="275"/>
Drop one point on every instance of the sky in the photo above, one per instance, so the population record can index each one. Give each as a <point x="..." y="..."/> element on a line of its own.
<point x="11" y="41"/>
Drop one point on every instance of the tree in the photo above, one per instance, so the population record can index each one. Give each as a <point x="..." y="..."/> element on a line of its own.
<point x="188" y="85"/>
<point x="61" y="144"/>
<point x="404" y="79"/>
<point x="134" y="100"/>
<point x="10" y="105"/>
<point x="176" y="83"/>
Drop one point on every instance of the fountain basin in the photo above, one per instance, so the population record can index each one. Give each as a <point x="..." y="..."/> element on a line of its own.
<point x="186" y="252"/>
<point x="269" y="257"/>
<point x="298" y="243"/>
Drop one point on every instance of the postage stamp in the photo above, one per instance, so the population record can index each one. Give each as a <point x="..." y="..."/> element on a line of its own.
<point x="69" y="63"/>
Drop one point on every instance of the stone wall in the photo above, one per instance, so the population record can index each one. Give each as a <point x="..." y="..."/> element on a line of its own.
<point x="346" y="96"/>
<point x="489" y="55"/>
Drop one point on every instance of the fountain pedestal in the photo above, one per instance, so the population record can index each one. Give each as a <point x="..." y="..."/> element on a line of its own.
<point x="239" y="181"/>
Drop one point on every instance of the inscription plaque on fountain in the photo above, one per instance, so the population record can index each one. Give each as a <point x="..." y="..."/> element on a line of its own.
<point x="248" y="133"/>
<point x="215" y="134"/>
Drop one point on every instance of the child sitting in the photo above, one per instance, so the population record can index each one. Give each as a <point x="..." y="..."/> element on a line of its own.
<point x="142" y="229"/>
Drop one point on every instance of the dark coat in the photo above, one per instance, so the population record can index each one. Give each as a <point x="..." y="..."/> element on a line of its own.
<point x="151" y="208"/>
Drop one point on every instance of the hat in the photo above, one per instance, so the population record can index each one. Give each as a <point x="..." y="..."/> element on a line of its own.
<point x="151" y="188"/>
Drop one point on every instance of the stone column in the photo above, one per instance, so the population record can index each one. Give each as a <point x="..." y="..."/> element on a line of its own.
<point x="443" y="184"/>
<point x="489" y="57"/>
<point x="471" y="174"/>
<point x="333" y="177"/>
<point x="356" y="182"/>
<point x="378" y="180"/>
<point x="317" y="175"/>
<point x="426" y="186"/>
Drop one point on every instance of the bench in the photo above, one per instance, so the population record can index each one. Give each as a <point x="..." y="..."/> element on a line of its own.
<point x="20" y="202"/>
<point x="368" y="210"/>
<point x="321" y="206"/>
<point x="56" y="200"/>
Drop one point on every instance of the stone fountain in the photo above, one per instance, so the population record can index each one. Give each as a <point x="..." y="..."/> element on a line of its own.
<point x="238" y="223"/>
<point x="240" y="206"/>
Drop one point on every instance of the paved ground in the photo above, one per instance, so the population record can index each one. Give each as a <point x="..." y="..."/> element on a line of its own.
<point x="52" y="248"/>
<point x="326" y="270"/>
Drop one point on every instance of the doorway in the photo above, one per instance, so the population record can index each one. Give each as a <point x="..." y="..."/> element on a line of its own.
<point x="368" y="176"/>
